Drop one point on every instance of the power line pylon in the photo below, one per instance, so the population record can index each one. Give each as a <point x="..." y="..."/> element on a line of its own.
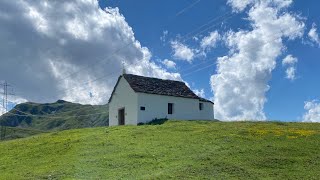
<point x="5" y="96"/>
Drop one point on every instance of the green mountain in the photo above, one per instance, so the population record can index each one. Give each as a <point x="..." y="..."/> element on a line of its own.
<point x="173" y="150"/>
<point x="61" y="115"/>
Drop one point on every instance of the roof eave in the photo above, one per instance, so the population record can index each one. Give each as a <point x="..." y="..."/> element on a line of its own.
<point x="205" y="100"/>
<point x="114" y="88"/>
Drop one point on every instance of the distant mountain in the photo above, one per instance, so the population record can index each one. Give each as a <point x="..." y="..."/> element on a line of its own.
<point x="60" y="115"/>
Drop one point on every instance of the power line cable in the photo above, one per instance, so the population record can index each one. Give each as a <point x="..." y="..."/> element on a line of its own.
<point x="198" y="70"/>
<point x="98" y="61"/>
<point x="193" y="66"/>
<point x="187" y="34"/>
<point x="102" y="77"/>
<point x="187" y="8"/>
<point x="222" y="17"/>
<point x="99" y="78"/>
<point x="206" y="29"/>
<point x="212" y="20"/>
<point x="126" y="45"/>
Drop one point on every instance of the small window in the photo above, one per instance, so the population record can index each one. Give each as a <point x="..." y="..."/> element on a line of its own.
<point x="170" y="108"/>
<point x="200" y="106"/>
<point x="142" y="108"/>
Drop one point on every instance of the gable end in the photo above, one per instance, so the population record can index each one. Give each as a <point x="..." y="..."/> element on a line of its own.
<point x="114" y="88"/>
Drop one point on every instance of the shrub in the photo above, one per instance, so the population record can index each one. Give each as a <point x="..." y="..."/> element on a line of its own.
<point x="157" y="121"/>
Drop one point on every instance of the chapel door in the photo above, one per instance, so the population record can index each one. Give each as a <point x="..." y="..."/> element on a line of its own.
<point x="121" y="116"/>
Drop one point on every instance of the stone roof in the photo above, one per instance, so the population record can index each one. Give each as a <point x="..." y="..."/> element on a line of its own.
<point x="160" y="87"/>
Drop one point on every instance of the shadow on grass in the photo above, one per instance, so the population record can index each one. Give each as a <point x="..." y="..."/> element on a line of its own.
<point x="164" y="120"/>
<point x="155" y="122"/>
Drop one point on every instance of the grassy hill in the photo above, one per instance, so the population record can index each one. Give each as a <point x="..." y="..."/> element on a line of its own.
<point x="174" y="150"/>
<point x="32" y="118"/>
<point x="8" y="133"/>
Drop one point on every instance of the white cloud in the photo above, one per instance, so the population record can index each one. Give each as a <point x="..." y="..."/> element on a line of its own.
<point x="240" y="5"/>
<point x="313" y="111"/>
<point x="182" y="52"/>
<point x="210" y="41"/>
<point x="289" y="61"/>
<point x="44" y="42"/>
<point x="2" y="109"/>
<point x="163" y="38"/>
<point x="169" y="64"/>
<point x="291" y="73"/>
<point x="313" y="35"/>
<point x="199" y="92"/>
<point x="241" y="81"/>
<point x="195" y="38"/>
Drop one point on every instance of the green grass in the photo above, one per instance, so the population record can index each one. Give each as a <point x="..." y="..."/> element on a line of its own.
<point x="14" y="133"/>
<point x="174" y="150"/>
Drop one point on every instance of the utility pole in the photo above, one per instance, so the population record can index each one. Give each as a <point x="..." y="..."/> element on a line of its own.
<point x="5" y="87"/>
<point x="5" y="101"/>
<point x="5" y="96"/>
<point x="2" y="131"/>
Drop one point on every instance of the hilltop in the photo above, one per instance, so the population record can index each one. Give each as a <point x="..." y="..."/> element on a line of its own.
<point x="31" y="118"/>
<point x="173" y="150"/>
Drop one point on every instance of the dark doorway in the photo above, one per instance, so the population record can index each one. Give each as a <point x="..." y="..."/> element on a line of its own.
<point x="121" y="116"/>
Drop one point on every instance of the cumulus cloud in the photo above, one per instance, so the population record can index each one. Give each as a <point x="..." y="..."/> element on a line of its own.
<point x="199" y="92"/>
<point x="169" y="64"/>
<point x="241" y="81"/>
<point x="313" y="111"/>
<point x="182" y="51"/>
<point x="210" y="41"/>
<point x="289" y="61"/>
<point x="313" y="35"/>
<point x="43" y="42"/>
<point x="2" y="109"/>
<point x="240" y="5"/>
<point x="291" y="73"/>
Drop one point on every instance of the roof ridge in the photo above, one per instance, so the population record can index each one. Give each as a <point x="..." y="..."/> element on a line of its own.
<point x="155" y="78"/>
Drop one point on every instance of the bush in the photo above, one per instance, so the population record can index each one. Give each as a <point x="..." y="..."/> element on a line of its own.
<point x="157" y="121"/>
<point x="140" y="124"/>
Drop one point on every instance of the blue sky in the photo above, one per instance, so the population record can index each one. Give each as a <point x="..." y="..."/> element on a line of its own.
<point x="256" y="59"/>
<point x="149" y="19"/>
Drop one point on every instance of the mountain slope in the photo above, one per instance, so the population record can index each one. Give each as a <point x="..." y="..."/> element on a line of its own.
<point x="174" y="150"/>
<point x="60" y="115"/>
